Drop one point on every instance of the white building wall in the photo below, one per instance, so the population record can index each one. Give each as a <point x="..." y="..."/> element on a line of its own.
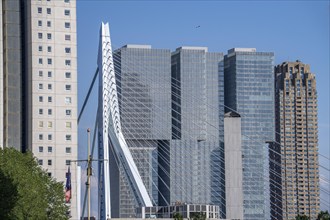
<point x="52" y="87"/>
<point x="233" y="167"/>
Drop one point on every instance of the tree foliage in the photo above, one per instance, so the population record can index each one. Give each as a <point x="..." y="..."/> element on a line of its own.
<point x="302" y="217"/>
<point x="177" y="216"/>
<point x="198" y="216"/>
<point x="26" y="191"/>
<point x="323" y="215"/>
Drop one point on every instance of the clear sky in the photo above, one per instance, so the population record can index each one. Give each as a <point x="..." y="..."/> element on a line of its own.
<point x="291" y="29"/>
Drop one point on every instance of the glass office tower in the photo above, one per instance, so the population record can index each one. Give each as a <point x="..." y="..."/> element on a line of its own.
<point x="197" y="155"/>
<point x="171" y="109"/>
<point x="143" y="78"/>
<point x="249" y="90"/>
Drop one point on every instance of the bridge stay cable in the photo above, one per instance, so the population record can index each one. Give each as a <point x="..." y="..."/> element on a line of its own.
<point x="88" y="94"/>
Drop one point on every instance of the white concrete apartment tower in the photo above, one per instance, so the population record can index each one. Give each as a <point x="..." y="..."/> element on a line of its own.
<point x="50" y="51"/>
<point x="38" y="83"/>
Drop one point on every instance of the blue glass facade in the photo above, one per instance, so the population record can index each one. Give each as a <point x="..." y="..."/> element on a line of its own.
<point x="172" y="110"/>
<point x="196" y="149"/>
<point x="143" y="78"/>
<point x="249" y="90"/>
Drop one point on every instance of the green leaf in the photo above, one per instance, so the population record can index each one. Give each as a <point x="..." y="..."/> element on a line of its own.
<point x="26" y="191"/>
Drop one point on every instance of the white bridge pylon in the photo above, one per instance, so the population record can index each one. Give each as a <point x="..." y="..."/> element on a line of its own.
<point x="110" y="133"/>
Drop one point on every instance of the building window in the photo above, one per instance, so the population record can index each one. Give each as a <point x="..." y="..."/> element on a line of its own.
<point x="49" y="23"/>
<point x="40" y="48"/>
<point x="49" y="86"/>
<point x="39" y="10"/>
<point x="50" y="99"/>
<point x="41" y="149"/>
<point x="41" y="73"/>
<point x="67" y="12"/>
<point x="67" y="25"/>
<point x="41" y="124"/>
<point x="40" y="60"/>
<point x="49" y="49"/>
<point x="68" y="137"/>
<point x="41" y="86"/>
<point x="50" y="137"/>
<point x="66" y="1"/>
<point x="68" y="150"/>
<point x="39" y="23"/>
<point x="50" y="111"/>
<point x="40" y="162"/>
<point x="50" y="149"/>
<point x="49" y="36"/>
<point x="41" y="137"/>
<point x="41" y="99"/>
<point x="40" y="35"/>
<point x="67" y="100"/>
<point x="50" y="124"/>
<point x="68" y="62"/>
<point x="49" y="74"/>
<point x="49" y="11"/>
<point x="67" y="162"/>
<point x="67" y="50"/>
<point x="68" y="37"/>
<point x="49" y="61"/>
<point x="302" y="70"/>
<point x="68" y="124"/>
<point x="49" y="174"/>
<point x="41" y="111"/>
<point x="67" y="87"/>
<point x="68" y="75"/>
<point x="49" y="162"/>
<point x="68" y="112"/>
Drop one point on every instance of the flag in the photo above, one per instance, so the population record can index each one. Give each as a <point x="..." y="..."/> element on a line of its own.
<point x="68" y="186"/>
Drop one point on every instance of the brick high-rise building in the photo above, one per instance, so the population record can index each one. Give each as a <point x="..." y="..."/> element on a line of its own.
<point x="297" y="134"/>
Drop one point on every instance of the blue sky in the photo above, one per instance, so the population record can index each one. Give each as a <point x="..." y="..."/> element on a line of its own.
<point x="291" y="29"/>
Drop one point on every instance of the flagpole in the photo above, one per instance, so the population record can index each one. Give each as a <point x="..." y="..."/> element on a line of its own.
<point x="89" y="173"/>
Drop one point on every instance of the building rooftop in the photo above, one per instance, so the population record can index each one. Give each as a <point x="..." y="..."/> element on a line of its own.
<point x="192" y="48"/>
<point x="232" y="115"/>
<point x="234" y="50"/>
<point x="137" y="46"/>
<point x="242" y="50"/>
